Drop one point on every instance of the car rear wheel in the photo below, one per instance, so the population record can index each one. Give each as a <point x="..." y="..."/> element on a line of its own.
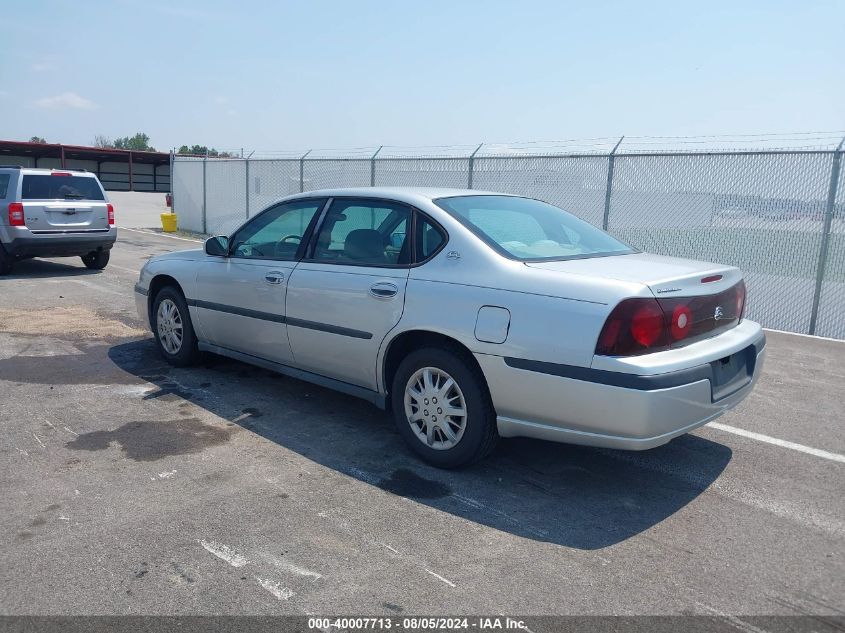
<point x="442" y="408"/>
<point x="7" y="263"/>
<point x="172" y="327"/>
<point x="96" y="260"/>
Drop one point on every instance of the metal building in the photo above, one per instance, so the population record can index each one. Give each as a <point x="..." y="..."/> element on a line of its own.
<point x="117" y="169"/>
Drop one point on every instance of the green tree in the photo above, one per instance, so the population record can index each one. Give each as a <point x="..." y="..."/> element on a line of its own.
<point x="140" y="142"/>
<point x="38" y="139"/>
<point x="202" y="150"/>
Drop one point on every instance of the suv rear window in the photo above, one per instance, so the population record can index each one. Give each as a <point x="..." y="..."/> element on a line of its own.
<point x="38" y="187"/>
<point x="4" y="185"/>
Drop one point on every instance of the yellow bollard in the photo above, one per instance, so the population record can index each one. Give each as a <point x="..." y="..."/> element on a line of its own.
<point x="168" y="222"/>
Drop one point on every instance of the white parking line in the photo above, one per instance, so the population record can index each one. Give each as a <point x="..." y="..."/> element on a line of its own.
<point x="820" y="338"/>
<point x="439" y="577"/>
<point x="94" y="286"/>
<point x="126" y="270"/>
<point x="225" y="553"/>
<point x="835" y="457"/>
<point x="172" y="237"/>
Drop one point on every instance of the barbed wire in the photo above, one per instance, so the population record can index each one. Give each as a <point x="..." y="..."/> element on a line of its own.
<point x="710" y="143"/>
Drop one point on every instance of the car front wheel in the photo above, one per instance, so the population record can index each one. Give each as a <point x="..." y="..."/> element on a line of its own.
<point x="172" y="327"/>
<point x="442" y="408"/>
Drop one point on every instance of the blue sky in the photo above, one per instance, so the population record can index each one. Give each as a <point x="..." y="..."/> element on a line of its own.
<point x="291" y="75"/>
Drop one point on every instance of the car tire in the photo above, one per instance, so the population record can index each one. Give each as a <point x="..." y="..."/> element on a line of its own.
<point x="415" y="415"/>
<point x="7" y="263"/>
<point x="172" y="328"/>
<point x="96" y="260"/>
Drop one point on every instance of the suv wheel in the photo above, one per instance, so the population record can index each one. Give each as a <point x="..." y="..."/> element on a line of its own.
<point x="172" y="327"/>
<point x="96" y="260"/>
<point x="7" y="263"/>
<point x="442" y="408"/>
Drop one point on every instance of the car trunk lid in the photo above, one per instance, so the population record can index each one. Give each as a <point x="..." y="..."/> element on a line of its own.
<point x="698" y="299"/>
<point x="665" y="276"/>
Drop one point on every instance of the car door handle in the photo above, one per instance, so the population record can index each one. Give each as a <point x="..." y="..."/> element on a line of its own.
<point x="383" y="290"/>
<point x="274" y="277"/>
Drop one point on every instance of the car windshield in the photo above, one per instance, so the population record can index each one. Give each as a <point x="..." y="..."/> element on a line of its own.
<point x="530" y="230"/>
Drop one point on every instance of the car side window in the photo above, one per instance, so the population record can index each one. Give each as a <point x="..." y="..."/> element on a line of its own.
<point x="430" y="238"/>
<point x="365" y="232"/>
<point x="276" y="233"/>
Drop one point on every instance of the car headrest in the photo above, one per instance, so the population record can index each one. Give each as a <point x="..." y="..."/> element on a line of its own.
<point x="365" y="245"/>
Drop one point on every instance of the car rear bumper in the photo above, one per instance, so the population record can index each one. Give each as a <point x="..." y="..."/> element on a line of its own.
<point x="614" y="409"/>
<point x="59" y="244"/>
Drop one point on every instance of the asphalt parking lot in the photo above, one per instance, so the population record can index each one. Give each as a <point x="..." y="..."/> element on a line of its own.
<point x="131" y="487"/>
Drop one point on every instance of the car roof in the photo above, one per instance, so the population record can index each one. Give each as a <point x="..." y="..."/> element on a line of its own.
<point x="47" y="170"/>
<point x="402" y="194"/>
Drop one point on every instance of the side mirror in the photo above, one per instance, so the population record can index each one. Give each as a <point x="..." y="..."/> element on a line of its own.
<point x="217" y="246"/>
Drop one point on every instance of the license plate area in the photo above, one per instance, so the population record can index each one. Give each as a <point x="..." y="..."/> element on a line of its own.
<point x="732" y="373"/>
<point x="68" y="216"/>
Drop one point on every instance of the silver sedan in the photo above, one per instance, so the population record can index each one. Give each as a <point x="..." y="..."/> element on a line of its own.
<point x="469" y="315"/>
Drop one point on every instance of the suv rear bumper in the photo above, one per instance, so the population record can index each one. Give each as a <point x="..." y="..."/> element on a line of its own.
<point x="60" y="244"/>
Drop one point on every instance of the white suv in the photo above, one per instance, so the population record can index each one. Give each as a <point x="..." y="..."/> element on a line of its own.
<point x="54" y="213"/>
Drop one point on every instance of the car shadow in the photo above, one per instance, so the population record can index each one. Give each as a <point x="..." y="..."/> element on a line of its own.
<point x="42" y="268"/>
<point x="574" y="496"/>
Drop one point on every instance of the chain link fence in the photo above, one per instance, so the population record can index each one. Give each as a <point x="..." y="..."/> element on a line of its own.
<point x="778" y="215"/>
<point x="831" y="320"/>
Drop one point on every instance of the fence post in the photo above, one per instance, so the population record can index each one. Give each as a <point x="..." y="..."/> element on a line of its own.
<point x="247" y="181"/>
<point x="204" y="161"/>
<point x="471" y="164"/>
<point x="373" y="167"/>
<point x="169" y="183"/>
<point x="826" y="226"/>
<point x="610" y="159"/>
<point x="302" y="171"/>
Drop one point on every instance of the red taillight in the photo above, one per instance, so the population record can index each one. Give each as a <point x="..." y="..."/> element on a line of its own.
<point x="61" y="173"/>
<point x="635" y="326"/>
<point x="110" y="208"/>
<point x="16" y="217"/>
<point x="740" y="300"/>
<point x="640" y="326"/>
<point x="647" y="324"/>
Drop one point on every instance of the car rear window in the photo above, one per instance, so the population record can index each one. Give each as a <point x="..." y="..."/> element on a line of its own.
<point x="530" y="230"/>
<point x="52" y="187"/>
<point x="4" y="185"/>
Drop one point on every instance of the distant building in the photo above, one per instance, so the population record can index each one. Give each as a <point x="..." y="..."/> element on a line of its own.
<point x="117" y="169"/>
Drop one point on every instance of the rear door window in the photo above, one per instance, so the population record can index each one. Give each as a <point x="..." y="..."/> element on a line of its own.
<point x="4" y="185"/>
<point x="364" y="233"/>
<point x="52" y="187"/>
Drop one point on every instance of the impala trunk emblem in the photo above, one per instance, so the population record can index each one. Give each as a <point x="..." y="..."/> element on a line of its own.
<point x="718" y="314"/>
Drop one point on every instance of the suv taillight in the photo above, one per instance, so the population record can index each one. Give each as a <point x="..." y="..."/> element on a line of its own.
<point x="110" y="208"/>
<point x="16" y="217"/>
